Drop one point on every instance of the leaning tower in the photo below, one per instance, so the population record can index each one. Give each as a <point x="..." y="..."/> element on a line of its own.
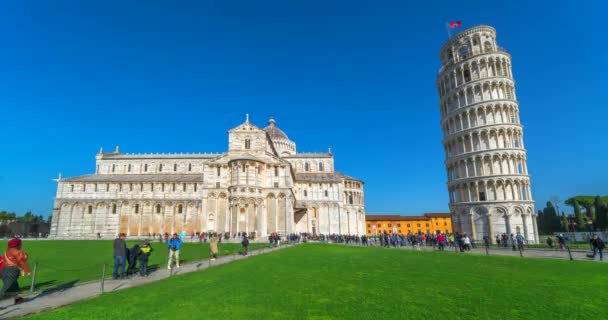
<point x="488" y="181"/>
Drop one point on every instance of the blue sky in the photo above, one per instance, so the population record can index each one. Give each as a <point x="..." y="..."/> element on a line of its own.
<point x="174" y="76"/>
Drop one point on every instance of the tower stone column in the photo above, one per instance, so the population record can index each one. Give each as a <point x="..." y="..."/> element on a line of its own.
<point x="482" y="136"/>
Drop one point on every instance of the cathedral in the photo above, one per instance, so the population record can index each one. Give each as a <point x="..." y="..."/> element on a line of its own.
<point x="261" y="185"/>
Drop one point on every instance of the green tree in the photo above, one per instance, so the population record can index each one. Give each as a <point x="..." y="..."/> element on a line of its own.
<point x="581" y="222"/>
<point x="601" y="214"/>
<point x="552" y="219"/>
<point x="564" y="222"/>
<point x="11" y="216"/>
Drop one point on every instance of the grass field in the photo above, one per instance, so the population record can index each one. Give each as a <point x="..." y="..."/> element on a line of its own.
<point x="71" y="261"/>
<point x="317" y="281"/>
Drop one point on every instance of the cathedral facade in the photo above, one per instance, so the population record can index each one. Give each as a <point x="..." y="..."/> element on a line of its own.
<point x="261" y="185"/>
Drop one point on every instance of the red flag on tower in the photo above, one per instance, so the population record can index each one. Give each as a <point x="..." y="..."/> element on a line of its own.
<point x="455" y="24"/>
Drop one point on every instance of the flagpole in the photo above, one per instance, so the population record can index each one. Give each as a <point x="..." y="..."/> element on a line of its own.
<point x="447" y="28"/>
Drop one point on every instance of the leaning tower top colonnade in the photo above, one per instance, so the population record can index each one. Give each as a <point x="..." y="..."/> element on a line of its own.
<point x="488" y="181"/>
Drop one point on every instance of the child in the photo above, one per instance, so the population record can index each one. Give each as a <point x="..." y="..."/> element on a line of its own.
<point x="144" y="254"/>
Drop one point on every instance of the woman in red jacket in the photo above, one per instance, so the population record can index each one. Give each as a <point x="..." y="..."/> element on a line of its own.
<point x="15" y="264"/>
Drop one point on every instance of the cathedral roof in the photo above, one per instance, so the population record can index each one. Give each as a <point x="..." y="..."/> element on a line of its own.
<point x="310" y="155"/>
<point x="323" y="177"/>
<point x="136" y="178"/>
<point x="246" y="156"/>
<point x="318" y="177"/>
<point x="274" y="132"/>
<point x="161" y="156"/>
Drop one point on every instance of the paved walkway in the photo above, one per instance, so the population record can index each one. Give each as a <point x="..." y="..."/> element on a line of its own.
<point x="45" y="301"/>
<point x="577" y="254"/>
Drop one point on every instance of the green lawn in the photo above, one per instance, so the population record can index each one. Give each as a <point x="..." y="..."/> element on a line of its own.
<point x="317" y="281"/>
<point x="64" y="262"/>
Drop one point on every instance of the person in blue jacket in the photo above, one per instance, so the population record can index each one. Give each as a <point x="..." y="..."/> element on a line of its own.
<point x="174" y="244"/>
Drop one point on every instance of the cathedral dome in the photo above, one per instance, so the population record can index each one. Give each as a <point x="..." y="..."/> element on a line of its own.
<point x="281" y="142"/>
<point x="274" y="132"/>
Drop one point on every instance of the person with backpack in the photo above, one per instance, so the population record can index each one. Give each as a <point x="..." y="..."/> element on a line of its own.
<point x="145" y="249"/>
<point x="598" y="246"/>
<point x="174" y="244"/>
<point x="245" y="244"/>
<point x="13" y="266"/>
<point x="132" y="257"/>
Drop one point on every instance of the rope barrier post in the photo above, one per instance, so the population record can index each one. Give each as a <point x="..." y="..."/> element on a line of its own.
<point x="569" y="252"/>
<point x="34" y="277"/>
<point x="103" y="276"/>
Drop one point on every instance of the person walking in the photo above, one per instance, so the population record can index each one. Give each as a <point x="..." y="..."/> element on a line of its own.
<point x="174" y="244"/>
<point x="245" y="244"/>
<point x="15" y="265"/>
<point x="466" y="243"/>
<point x="598" y="246"/>
<point x="441" y="241"/>
<point x="145" y="250"/>
<point x="550" y="242"/>
<point x="520" y="241"/>
<point x="120" y="256"/>
<point x="213" y="241"/>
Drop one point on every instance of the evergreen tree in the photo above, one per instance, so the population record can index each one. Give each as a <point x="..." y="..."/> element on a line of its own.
<point x="552" y="219"/>
<point x="581" y="223"/>
<point x="601" y="214"/>
<point x="564" y="223"/>
<point x="541" y="222"/>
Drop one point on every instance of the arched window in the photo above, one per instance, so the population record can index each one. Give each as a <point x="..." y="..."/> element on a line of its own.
<point x="180" y="209"/>
<point x="146" y="167"/>
<point x="175" y="167"/>
<point x="320" y="166"/>
<point x="463" y="52"/>
<point x="160" y="167"/>
<point x="326" y="193"/>
<point x="129" y="168"/>
<point x="137" y="208"/>
<point x="184" y="187"/>
<point x="158" y="208"/>
<point x="305" y="193"/>
<point x="487" y="46"/>
<point x="195" y="185"/>
<point x="247" y="144"/>
<point x="218" y="171"/>
<point x="174" y="187"/>
<point x="113" y="167"/>
<point x="189" y="166"/>
<point x="276" y="171"/>
<point x="114" y="208"/>
<point x="90" y="209"/>
<point x="306" y="166"/>
<point x="350" y="199"/>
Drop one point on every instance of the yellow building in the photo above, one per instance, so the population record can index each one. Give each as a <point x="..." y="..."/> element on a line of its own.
<point x="426" y="223"/>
